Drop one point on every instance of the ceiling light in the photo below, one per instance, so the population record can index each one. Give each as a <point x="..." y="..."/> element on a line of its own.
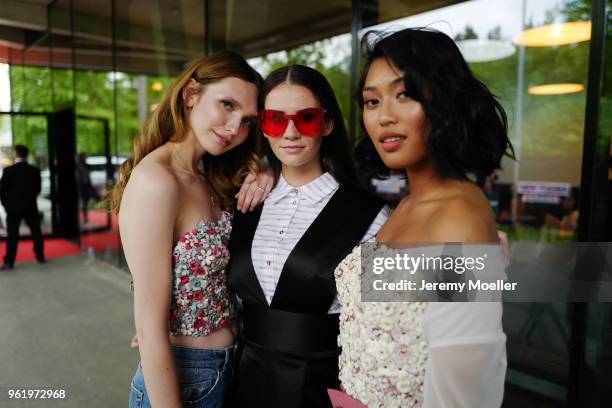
<point x="555" y="34"/>
<point x="556" y="89"/>
<point x="481" y="50"/>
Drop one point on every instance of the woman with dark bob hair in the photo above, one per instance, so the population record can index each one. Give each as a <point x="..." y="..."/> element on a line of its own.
<point x="425" y="114"/>
<point x="468" y="126"/>
<point x="285" y="252"/>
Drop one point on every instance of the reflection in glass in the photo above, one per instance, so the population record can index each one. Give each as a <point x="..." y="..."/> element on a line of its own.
<point x="555" y="89"/>
<point x="552" y="35"/>
<point x="535" y="199"/>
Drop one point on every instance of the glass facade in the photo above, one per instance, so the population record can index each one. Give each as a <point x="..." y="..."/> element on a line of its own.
<point x="109" y="62"/>
<point x="537" y="198"/>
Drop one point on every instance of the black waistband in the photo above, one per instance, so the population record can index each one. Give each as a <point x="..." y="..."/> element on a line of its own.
<point x="288" y="331"/>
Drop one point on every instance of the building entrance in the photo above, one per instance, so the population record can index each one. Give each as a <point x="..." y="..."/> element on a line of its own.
<point x="57" y="140"/>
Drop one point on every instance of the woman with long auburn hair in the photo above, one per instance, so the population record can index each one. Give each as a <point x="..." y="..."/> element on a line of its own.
<point x="173" y="199"/>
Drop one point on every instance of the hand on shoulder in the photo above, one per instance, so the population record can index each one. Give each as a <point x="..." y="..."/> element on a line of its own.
<point x="254" y="190"/>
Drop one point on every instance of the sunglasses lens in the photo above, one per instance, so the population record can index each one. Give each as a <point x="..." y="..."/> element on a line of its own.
<point x="273" y="123"/>
<point x="308" y="121"/>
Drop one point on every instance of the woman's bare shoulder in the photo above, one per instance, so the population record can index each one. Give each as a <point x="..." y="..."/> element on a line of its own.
<point x="153" y="175"/>
<point x="464" y="217"/>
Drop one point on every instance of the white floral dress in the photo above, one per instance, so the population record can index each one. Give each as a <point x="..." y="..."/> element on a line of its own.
<point x="417" y="354"/>
<point x="383" y="345"/>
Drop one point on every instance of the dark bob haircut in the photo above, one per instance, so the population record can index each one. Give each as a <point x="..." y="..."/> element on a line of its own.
<point x="336" y="150"/>
<point x="469" y="128"/>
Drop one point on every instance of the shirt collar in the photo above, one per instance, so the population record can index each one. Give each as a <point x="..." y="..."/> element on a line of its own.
<point x="315" y="191"/>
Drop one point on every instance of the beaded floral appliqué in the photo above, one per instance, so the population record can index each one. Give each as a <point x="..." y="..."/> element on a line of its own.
<point x="201" y="301"/>
<point x="384" y="350"/>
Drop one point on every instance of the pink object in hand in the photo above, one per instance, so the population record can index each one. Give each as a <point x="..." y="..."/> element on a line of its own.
<point x="341" y="399"/>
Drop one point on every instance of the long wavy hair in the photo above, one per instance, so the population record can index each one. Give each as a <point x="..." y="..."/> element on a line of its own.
<point x="169" y="123"/>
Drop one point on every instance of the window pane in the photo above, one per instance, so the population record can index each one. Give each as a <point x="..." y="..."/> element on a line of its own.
<point x="535" y="198"/>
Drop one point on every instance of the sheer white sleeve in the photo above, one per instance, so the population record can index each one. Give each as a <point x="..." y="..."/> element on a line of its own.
<point x="466" y="365"/>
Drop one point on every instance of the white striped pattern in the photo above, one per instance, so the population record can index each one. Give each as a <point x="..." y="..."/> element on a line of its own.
<point x="285" y="217"/>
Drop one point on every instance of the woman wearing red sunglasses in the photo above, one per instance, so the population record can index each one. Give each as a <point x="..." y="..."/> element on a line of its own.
<point x="284" y="253"/>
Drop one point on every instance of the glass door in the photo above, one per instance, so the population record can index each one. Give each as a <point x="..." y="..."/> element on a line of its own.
<point x="94" y="171"/>
<point x="30" y="130"/>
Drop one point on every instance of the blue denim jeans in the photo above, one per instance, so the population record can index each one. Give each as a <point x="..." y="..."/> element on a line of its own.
<point x="203" y="375"/>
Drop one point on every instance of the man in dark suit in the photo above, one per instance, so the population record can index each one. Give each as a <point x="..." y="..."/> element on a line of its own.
<point x="19" y="186"/>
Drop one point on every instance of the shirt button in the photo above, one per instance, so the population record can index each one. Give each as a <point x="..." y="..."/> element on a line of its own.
<point x="268" y="263"/>
<point x="294" y="202"/>
<point x="281" y="232"/>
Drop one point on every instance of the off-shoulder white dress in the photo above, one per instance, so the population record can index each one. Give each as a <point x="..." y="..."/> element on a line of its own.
<point x="418" y="354"/>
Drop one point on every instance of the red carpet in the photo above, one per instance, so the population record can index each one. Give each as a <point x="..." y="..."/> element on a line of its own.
<point x="101" y="241"/>
<point x="55" y="247"/>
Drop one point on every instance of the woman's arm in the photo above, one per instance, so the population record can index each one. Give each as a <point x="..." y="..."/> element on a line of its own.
<point x="148" y="212"/>
<point x="466" y="366"/>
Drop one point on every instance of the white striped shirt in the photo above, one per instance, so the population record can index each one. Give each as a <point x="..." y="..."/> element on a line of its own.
<point x="286" y="215"/>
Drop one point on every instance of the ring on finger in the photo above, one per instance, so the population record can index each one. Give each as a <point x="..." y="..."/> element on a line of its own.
<point x="260" y="188"/>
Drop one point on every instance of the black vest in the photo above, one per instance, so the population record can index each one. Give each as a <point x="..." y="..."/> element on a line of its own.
<point x="288" y="353"/>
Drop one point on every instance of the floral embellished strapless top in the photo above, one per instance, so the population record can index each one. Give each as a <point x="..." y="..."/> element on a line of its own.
<point x="384" y="349"/>
<point x="201" y="301"/>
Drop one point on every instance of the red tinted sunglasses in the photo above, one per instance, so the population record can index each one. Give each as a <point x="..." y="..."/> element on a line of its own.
<point x="308" y="121"/>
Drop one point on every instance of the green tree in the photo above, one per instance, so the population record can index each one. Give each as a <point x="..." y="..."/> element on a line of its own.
<point x="552" y="125"/>
<point x="467" y="34"/>
<point x="36" y="89"/>
<point x="495" y="33"/>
